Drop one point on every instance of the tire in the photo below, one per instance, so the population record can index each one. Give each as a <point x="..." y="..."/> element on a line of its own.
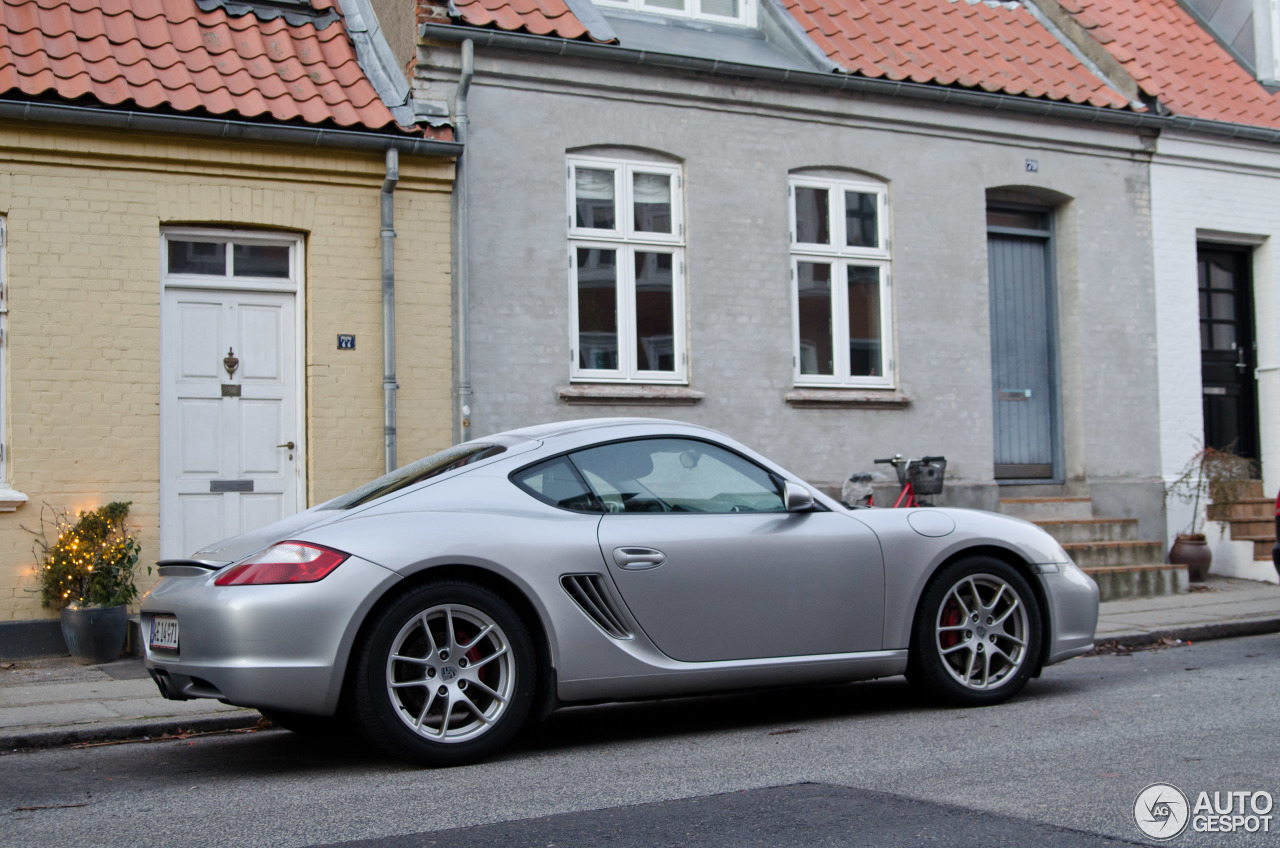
<point x="304" y="724"/>
<point x="976" y="639"/>
<point x="448" y="692"/>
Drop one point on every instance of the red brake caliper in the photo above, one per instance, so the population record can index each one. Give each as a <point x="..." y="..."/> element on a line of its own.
<point x="951" y="616"/>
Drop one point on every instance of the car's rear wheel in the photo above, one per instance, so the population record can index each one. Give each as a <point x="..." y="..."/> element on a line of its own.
<point x="976" y="637"/>
<point x="445" y="675"/>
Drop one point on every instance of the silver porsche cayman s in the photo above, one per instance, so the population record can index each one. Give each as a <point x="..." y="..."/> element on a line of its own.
<point x="439" y="607"/>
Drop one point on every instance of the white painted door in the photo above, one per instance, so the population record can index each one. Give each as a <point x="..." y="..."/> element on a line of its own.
<point x="230" y="441"/>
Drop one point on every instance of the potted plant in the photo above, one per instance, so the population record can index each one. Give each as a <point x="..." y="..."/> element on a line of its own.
<point x="87" y="574"/>
<point x="1212" y="475"/>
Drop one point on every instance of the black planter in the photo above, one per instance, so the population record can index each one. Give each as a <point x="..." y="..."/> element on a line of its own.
<point x="95" y="634"/>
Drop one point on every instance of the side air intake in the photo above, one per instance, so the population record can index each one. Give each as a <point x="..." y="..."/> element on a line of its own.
<point x="589" y="592"/>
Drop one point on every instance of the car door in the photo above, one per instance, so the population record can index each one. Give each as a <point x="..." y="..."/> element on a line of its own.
<point x="713" y="567"/>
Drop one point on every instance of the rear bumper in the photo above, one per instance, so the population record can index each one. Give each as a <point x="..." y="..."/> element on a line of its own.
<point x="283" y="647"/>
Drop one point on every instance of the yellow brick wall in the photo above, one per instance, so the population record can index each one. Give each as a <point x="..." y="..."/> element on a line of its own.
<point x="84" y="212"/>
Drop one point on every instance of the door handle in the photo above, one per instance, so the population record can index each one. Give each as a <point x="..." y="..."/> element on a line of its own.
<point x="637" y="559"/>
<point x="288" y="445"/>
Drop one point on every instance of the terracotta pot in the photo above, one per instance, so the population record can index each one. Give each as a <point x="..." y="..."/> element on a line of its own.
<point x="95" y="634"/>
<point x="1192" y="551"/>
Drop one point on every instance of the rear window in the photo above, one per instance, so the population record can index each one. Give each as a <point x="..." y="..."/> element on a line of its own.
<point x="414" y="473"/>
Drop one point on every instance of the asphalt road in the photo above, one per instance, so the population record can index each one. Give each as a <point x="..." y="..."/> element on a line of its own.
<point x="861" y="764"/>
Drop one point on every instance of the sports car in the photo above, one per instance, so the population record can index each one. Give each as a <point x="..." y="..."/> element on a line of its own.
<point x="439" y="608"/>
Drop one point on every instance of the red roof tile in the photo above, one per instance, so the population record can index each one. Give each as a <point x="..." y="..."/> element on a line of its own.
<point x="1174" y="59"/>
<point x="997" y="47"/>
<point x="539" y="17"/>
<point x="159" y="54"/>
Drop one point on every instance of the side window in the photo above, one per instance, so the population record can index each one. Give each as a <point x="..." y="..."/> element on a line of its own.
<point x="557" y="483"/>
<point x="677" y="475"/>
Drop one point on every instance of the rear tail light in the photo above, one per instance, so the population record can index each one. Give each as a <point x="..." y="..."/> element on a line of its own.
<point x="286" y="562"/>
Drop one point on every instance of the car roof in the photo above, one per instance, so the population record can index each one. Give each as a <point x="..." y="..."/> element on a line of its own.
<point x="581" y="425"/>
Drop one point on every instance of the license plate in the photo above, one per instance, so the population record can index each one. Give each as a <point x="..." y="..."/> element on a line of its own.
<point x="164" y="632"/>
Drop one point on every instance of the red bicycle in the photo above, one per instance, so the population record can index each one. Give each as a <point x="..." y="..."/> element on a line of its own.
<point x="923" y="476"/>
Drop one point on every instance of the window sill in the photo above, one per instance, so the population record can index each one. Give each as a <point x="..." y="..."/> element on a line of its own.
<point x="615" y="393"/>
<point x="10" y="500"/>
<point x="847" y="399"/>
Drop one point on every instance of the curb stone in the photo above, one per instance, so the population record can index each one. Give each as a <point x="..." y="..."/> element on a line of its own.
<point x="1194" y="632"/>
<point x="121" y="731"/>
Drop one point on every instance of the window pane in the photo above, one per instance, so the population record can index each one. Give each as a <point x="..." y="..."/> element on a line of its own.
<point x="1017" y="219"/>
<point x="1224" y="336"/>
<point x="1224" y="305"/>
<point x="678" y="5"/>
<point x="728" y="8"/>
<point x="677" y="475"/>
<point x="556" y="483"/>
<point x="864" y="322"/>
<point x="652" y="200"/>
<point x="655" y="312"/>
<point x="260" y="260"/>
<point x="813" y="225"/>
<point x="597" y="308"/>
<point x="594" y="198"/>
<point x="197" y="257"/>
<point x="861" y="219"/>
<point x="814" y="287"/>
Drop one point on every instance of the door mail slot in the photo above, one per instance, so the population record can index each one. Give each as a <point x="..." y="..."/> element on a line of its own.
<point x="1015" y="394"/>
<point x="1215" y="390"/>
<point x="230" y="485"/>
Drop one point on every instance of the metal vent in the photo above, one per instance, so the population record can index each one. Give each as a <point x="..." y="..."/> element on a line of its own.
<point x="589" y="591"/>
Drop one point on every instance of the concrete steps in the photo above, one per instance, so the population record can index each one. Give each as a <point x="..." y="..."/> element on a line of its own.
<point x="1251" y="519"/>
<point x="1108" y="549"/>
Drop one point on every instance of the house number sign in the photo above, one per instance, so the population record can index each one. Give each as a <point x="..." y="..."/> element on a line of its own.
<point x="346" y="341"/>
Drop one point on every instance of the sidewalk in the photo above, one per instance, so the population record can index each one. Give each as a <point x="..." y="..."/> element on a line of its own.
<point x="51" y="702"/>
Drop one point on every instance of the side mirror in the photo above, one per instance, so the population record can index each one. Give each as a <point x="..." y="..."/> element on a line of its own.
<point x="797" y="498"/>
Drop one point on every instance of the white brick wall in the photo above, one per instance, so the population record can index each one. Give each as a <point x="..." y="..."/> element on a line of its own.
<point x="1211" y="188"/>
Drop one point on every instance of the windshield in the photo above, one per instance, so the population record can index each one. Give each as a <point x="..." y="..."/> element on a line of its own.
<point x="414" y="473"/>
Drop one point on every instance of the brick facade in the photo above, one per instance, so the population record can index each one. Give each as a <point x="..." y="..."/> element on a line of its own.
<point x="84" y="211"/>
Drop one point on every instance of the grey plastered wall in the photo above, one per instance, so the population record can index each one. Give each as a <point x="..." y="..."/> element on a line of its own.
<point x="738" y="140"/>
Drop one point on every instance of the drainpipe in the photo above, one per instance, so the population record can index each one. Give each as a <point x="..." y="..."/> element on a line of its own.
<point x="462" y="243"/>
<point x="389" y="307"/>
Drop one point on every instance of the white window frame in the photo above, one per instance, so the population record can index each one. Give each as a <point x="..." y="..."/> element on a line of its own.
<point x="627" y="242"/>
<point x="840" y="257"/>
<point x="747" y="14"/>
<point x="4" y="360"/>
<point x="10" y="499"/>
<point x="291" y="283"/>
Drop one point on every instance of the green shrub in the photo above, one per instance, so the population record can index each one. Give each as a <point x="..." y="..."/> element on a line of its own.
<point x="91" y="562"/>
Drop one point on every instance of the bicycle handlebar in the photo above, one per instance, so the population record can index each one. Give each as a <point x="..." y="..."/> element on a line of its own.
<point x="898" y="460"/>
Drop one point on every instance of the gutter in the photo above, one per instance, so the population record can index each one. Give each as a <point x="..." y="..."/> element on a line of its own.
<point x="229" y="129"/>
<point x="388" y="232"/>
<point x="848" y="82"/>
<point x="462" y="241"/>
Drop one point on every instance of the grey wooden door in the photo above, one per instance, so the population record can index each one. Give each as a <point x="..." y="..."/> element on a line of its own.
<point x="1023" y="366"/>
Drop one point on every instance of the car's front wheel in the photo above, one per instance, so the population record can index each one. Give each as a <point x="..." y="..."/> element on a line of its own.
<point x="445" y="675"/>
<point x="976" y="637"/>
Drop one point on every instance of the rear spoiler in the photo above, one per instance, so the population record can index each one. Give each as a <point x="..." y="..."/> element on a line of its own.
<point x="188" y="567"/>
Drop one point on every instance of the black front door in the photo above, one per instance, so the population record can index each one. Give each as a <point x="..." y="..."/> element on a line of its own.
<point x="1227" y="350"/>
